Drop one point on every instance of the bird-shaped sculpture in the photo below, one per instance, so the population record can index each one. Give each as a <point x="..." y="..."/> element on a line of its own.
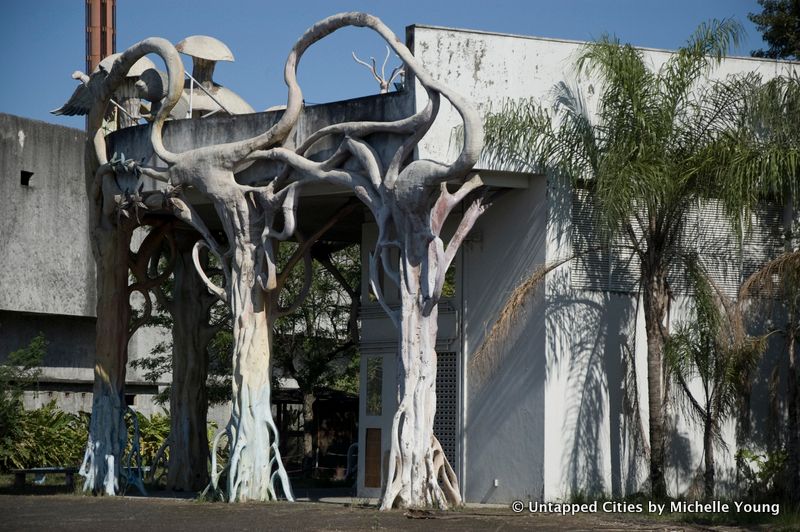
<point x="151" y="88"/>
<point x="86" y="92"/>
<point x="84" y="95"/>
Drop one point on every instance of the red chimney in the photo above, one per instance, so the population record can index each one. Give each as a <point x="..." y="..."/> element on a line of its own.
<point x="101" y="33"/>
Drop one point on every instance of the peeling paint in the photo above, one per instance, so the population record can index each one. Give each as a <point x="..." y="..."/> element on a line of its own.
<point x="21" y="138"/>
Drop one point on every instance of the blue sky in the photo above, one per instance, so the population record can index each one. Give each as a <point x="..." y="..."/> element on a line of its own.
<point x="43" y="40"/>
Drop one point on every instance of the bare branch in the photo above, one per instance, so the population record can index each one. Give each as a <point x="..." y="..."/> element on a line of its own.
<point x="304" y="245"/>
<point x="370" y="67"/>
<point x="214" y="289"/>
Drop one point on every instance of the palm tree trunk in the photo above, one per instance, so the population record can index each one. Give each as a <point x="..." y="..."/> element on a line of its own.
<point x="708" y="451"/>
<point x="656" y="297"/>
<point x="793" y="439"/>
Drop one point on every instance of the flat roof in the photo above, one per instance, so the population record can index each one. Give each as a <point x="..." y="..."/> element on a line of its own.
<point x="573" y="41"/>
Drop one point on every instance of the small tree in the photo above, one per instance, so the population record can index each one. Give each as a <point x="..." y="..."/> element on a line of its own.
<point x="714" y="349"/>
<point x="763" y="162"/>
<point x="780" y="277"/>
<point x="19" y="371"/>
<point x="779" y="22"/>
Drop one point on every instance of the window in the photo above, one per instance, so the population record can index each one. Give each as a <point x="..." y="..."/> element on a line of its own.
<point x="374" y="387"/>
<point x="25" y="178"/>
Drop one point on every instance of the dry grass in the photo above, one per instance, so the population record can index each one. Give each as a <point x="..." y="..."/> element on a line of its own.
<point x="488" y="356"/>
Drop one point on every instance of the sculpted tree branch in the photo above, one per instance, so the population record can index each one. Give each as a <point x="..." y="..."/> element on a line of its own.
<point x="383" y="81"/>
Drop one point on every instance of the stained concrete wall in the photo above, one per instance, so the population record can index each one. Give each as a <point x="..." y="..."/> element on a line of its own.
<point x="44" y="230"/>
<point x="183" y="135"/>
<point x="47" y="283"/>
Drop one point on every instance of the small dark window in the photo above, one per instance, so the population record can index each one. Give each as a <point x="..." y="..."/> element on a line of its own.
<point x="130" y="399"/>
<point x="25" y="178"/>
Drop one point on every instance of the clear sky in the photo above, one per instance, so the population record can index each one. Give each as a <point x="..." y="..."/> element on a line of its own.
<point x="43" y="40"/>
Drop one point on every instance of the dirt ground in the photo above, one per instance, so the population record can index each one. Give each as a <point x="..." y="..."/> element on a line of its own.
<point x="86" y="513"/>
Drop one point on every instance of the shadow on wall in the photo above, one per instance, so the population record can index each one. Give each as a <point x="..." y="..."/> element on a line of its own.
<point x="587" y="340"/>
<point x="591" y="358"/>
<point x="504" y="430"/>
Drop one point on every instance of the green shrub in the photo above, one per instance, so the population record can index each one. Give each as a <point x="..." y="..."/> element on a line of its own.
<point x="19" y="371"/>
<point x="763" y="474"/>
<point x="45" y="437"/>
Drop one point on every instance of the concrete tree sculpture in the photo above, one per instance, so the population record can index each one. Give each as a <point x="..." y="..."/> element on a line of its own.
<point x="247" y="215"/>
<point x="115" y="207"/>
<point x="410" y="202"/>
<point x="254" y="220"/>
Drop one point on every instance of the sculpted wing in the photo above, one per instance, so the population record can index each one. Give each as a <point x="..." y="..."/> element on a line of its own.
<point x="82" y="98"/>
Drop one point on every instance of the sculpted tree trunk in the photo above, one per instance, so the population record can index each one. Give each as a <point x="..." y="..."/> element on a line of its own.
<point x="188" y="405"/>
<point x="110" y="219"/>
<point x="255" y="456"/>
<point x="107" y="431"/>
<point x="416" y="458"/>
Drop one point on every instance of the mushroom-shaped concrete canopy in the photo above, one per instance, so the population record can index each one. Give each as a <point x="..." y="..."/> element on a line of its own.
<point x="136" y="70"/>
<point x="205" y="47"/>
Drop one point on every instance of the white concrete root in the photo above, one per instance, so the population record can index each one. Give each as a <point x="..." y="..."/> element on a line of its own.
<point x="443" y="471"/>
<point x="409" y="486"/>
<point x="252" y="469"/>
<point x="213" y="485"/>
<point x="107" y="436"/>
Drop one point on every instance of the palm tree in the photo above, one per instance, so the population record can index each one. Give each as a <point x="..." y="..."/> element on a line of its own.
<point x="714" y="350"/>
<point x="778" y="281"/>
<point x="763" y="162"/>
<point x="643" y="159"/>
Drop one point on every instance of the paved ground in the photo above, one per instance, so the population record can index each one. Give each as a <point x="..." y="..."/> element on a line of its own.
<point x="86" y="513"/>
